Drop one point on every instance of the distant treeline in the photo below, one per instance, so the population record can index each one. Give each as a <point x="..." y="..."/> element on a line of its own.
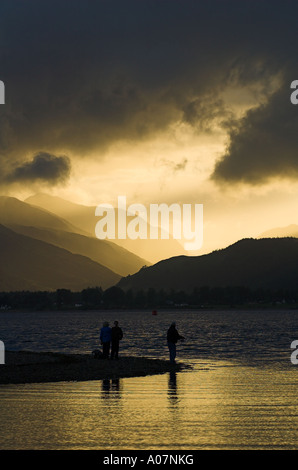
<point x="115" y="297"/>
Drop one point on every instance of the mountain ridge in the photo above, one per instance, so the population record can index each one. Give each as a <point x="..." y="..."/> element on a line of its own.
<point x="30" y="264"/>
<point x="255" y="263"/>
<point x="106" y="253"/>
<point x="44" y="225"/>
<point x="278" y="232"/>
<point x="12" y="208"/>
<point x="84" y="216"/>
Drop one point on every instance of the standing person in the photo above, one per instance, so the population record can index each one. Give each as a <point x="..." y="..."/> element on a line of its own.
<point x="105" y="338"/>
<point x="117" y="335"/>
<point x="172" y="338"/>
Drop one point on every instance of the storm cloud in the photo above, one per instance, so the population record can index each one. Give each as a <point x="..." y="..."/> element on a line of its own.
<point x="263" y="144"/>
<point x="80" y="77"/>
<point x="43" y="167"/>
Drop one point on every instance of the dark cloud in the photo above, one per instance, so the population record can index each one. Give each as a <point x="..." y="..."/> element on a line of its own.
<point x="263" y="144"/>
<point x="206" y="112"/>
<point x="44" y="167"/>
<point x="80" y="76"/>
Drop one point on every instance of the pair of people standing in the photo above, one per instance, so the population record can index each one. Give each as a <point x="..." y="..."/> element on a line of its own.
<point x="110" y="336"/>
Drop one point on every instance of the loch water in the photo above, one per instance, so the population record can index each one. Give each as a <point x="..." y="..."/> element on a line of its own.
<point x="240" y="393"/>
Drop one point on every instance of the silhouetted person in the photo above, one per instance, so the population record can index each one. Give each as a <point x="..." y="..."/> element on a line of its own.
<point x="172" y="338"/>
<point x="117" y="335"/>
<point x="105" y="338"/>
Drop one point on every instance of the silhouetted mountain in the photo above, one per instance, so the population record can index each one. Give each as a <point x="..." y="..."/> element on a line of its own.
<point x="14" y="211"/>
<point x="30" y="264"/>
<point x="76" y="214"/>
<point x="44" y="225"/>
<point x="263" y="263"/>
<point x="103" y="252"/>
<point x="84" y="217"/>
<point x="289" y="231"/>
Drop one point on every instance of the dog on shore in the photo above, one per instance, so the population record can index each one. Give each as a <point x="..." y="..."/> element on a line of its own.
<point x="97" y="354"/>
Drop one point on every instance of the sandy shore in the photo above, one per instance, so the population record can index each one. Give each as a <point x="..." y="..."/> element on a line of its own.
<point x="32" y="367"/>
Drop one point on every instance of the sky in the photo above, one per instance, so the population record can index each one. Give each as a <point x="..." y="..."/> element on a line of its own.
<point x="162" y="101"/>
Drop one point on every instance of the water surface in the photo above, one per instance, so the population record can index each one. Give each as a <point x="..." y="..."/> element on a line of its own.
<point x="240" y="394"/>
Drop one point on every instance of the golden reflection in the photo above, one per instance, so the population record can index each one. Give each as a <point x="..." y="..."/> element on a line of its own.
<point x="221" y="406"/>
<point x="172" y="388"/>
<point x="111" y="388"/>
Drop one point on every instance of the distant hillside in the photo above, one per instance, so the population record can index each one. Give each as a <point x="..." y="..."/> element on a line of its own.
<point x="76" y="214"/>
<point x="14" y="211"/>
<point x="103" y="252"/>
<point x="30" y="264"/>
<point x="265" y="263"/>
<point x="84" y="217"/>
<point x="44" y="225"/>
<point x="289" y="231"/>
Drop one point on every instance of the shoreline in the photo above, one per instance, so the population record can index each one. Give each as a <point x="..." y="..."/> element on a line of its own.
<point x="22" y="367"/>
<point x="274" y="307"/>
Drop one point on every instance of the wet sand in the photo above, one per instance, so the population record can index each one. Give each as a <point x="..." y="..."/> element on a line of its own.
<point x="38" y="367"/>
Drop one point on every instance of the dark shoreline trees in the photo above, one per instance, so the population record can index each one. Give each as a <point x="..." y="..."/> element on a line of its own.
<point x="114" y="297"/>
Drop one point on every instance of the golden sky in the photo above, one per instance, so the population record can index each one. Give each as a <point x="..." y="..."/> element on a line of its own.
<point x="163" y="102"/>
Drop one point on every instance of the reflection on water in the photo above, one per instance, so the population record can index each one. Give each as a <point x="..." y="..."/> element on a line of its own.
<point x="172" y="388"/>
<point x="217" y="405"/>
<point x="111" y="388"/>
<point x="240" y="394"/>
